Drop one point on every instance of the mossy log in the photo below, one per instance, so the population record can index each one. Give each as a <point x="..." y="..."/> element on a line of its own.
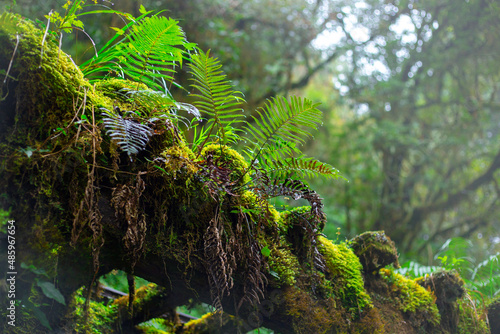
<point x="83" y="207"/>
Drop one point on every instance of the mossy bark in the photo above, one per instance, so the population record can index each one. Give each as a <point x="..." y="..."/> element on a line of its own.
<point x="83" y="208"/>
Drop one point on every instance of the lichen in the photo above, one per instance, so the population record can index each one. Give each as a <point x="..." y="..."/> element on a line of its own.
<point x="345" y="271"/>
<point x="411" y="297"/>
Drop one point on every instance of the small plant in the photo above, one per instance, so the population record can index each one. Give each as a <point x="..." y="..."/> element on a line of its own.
<point x="482" y="278"/>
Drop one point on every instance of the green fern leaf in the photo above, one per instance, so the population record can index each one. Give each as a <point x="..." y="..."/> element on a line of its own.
<point x="280" y="126"/>
<point x="216" y="98"/>
<point x="300" y="167"/>
<point x="149" y="53"/>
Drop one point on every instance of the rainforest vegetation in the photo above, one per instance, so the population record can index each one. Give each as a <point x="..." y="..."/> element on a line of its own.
<point x="295" y="166"/>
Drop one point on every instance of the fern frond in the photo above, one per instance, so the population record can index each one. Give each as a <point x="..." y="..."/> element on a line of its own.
<point x="149" y="53"/>
<point x="215" y="96"/>
<point x="281" y="124"/>
<point x="301" y="167"/>
<point x="130" y="135"/>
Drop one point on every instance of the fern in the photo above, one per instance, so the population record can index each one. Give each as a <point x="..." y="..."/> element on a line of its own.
<point x="149" y="53"/>
<point x="216" y="98"/>
<point x="300" y="167"/>
<point x="281" y="125"/>
<point x="130" y="135"/>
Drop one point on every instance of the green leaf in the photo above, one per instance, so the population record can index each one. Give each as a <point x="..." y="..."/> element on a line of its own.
<point x="265" y="251"/>
<point x="38" y="314"/>
<point x="51" y="291"/>
<point x="149" y="53"/>
<point x="274" y="274"/>
<point x="301" y="167"/>
<point x="33" y="269"/>
<point x="142" y="10"/>
<point x="275" y="134"/>
<point x="216" y="98"/>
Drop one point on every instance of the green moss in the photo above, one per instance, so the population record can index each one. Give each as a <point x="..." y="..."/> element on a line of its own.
<point x="211" y="322"/>
<point x="471" y="318"/>
<point x="156" y="326"/>
<point x="143" y="296"/>
<point x="411" y="297"/>
<point x="309" y="315"/>
<point x="226" y="157"/>
<point x="375" y="250"/>
<point x="283" y="265"/>
<point x="101" y="317"/>
<point x="49" y="83"/>
<point x="345" y="270"/>
<point x="179" y="157"/>
<point x="291" y="217"/>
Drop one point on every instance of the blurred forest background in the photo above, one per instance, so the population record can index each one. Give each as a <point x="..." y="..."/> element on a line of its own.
<point x="410" y="92"/>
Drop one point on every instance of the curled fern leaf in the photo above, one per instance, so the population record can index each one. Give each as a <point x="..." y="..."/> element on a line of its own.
<point x="215" y="97"/>
<point x="130" y="135"/>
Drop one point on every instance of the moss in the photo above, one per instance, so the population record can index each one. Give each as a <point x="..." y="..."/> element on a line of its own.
<point x="283" y="265"/>
<point x="155" y="326"/>
<point x="143" y="296"/>
<point x="177" y="158"/>
<point x="48" y="82"/>
<point x="375" y="251"/>
<point x="101" y="317"/>
<point x="313" y="316"/>
<point x="370" y="323"/>
<point x="345" y="271"/>
<point x="447" y="286"/>
<point x="211" y="322"/>
<point x="293" y="217"/>
<point x="226" y="157"/>
<point x="411" y="297"/>
<point x="472" y="318"/>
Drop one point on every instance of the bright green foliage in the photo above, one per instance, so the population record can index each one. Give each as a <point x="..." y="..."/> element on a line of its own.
<point x="283" y="265"/>
<point x="482" y="278"/>
<point x="471" y="318"/>
<point x="149" y="53"/>
<point x="99" y="318"/>
<point x="411" y="297"/>
<point x="345" y="269"/>
<point x="228" y="158"/>
<point x="216" y="98"/>
<point x="281" y="125"/>
<point x="155" y="326"/>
